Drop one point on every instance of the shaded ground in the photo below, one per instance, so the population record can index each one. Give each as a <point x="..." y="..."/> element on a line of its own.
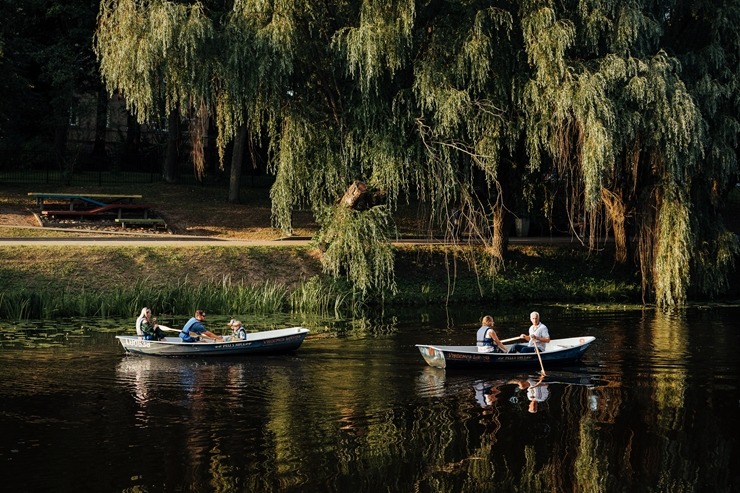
<point x="205" y="211"/>
<point x="197" y="211"/>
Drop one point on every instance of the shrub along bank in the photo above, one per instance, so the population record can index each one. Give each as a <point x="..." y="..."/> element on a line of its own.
<point x="48" y="282"/>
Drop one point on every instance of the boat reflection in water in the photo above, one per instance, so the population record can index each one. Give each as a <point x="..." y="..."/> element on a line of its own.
<point x="433" y="382"/>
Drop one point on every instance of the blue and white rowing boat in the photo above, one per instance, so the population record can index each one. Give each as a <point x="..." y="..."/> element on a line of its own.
<point x="557" y="351"/>
<point x="266" y="342"/>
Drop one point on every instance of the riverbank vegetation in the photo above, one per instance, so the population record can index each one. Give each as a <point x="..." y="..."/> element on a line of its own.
<point x="51" y="282"/>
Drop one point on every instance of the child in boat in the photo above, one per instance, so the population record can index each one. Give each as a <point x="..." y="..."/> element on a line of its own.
<point x="238" y="329"/>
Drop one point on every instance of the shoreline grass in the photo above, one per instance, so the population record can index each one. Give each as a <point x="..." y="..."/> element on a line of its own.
<point x="52" y="282"/>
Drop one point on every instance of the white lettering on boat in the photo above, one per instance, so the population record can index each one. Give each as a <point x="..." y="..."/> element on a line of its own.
<point x="136" y="343"/>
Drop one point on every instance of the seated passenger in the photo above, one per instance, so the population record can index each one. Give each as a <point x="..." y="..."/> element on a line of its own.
<point x="147" y="327"/>
<point x="487" y="340"/>
<point x="238" y="329"/>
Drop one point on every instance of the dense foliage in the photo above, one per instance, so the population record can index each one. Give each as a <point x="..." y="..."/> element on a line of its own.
<point x="619" y="118"/>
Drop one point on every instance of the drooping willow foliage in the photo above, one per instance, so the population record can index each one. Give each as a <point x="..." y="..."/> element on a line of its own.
<point x="622" y="116"/>
<point x="359" y="246"/>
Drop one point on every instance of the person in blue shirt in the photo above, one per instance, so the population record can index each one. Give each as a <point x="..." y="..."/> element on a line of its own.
<point x="194" y="329"/>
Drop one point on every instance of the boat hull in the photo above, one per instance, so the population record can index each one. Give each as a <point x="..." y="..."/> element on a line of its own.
<point x="267" y="342"/>
<point x="558" y="351"/>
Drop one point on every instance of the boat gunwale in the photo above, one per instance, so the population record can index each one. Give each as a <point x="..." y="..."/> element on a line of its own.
<point x="266" y="342"/>
<point x="262" y="336"/>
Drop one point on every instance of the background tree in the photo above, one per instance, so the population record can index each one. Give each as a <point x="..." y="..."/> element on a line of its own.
<point x="48" y="64"/>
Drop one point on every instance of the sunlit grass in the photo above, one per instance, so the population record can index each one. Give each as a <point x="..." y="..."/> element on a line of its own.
<point x="179" y="297"/>
<point x="20" y="232"/>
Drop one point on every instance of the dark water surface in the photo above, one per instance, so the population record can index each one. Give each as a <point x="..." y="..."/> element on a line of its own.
<point x="653" y="407"/>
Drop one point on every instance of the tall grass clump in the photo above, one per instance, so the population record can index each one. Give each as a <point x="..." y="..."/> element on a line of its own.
<point x="222" y="296"/>
<point x="320" y="296"/>
<point x="16" y="306"/>
<point x="261" y="298"/>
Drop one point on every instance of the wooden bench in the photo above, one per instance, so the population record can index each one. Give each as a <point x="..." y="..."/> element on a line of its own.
<point x="152" y="221"/>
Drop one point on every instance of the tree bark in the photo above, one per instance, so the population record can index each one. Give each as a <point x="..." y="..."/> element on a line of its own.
<point x="500" y="239"/>
<point x="354" y="196"/>
<point x="98" y="154"/>
<point x="133" y="141"/>
<point x="237" y="160"/>
<point x="169" y="171"/>
<point x="61" y="135"/>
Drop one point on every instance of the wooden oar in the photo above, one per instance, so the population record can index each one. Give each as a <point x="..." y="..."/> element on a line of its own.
<point x="510" y="339"/>
<point x="537" y="350"/>
<point x="194" y="334"/>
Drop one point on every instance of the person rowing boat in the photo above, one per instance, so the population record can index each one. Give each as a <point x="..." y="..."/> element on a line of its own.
<point x="195" y="325"/>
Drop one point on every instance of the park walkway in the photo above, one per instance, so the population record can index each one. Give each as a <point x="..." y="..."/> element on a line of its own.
<point x="111" y="239"/>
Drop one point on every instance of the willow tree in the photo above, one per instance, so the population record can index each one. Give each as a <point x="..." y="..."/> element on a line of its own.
<point x="610" y="105"/>
<point x="267" y="67"/>
<point x="627" y="107"/>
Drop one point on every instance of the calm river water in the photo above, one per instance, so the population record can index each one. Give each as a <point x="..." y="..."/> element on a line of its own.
<point x="653" y="407"/>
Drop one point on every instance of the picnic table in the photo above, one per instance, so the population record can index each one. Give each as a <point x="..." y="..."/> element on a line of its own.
<point x="87" y="200"/>
<point x="91" y="205"/>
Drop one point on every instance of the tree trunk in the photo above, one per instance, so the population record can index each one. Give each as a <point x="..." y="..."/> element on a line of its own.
<point x="500" y="237"/>
<point x="355" y="196"/>
<point x="66" y="166"/>
<point x="133" y="141"/>
<point x="169" y="172"/>
<point x="98" y="154"/>
<point x="615" y="209"/>
<point x="237" y="160"/>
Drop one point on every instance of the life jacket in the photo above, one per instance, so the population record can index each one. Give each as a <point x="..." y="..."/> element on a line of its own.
<point x="481" y="337"/>
<point x="185" y="332"/>
<point x="188" y="325"/>
<point x="484" y="341"/>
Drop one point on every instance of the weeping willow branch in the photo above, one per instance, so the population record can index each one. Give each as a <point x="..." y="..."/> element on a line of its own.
<point x="359" y="247"/>
<point x="672" y="252"/>
<point x="714" y="257"/>
<point x="198" y="136"/>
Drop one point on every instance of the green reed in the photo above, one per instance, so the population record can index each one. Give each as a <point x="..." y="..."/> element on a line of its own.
<point x="16" y="307"/>
<point x="320" y="296"/>
<point x="177" y="297"/>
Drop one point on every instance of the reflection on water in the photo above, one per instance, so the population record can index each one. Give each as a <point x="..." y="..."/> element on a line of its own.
<point x="647" y="410"/>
